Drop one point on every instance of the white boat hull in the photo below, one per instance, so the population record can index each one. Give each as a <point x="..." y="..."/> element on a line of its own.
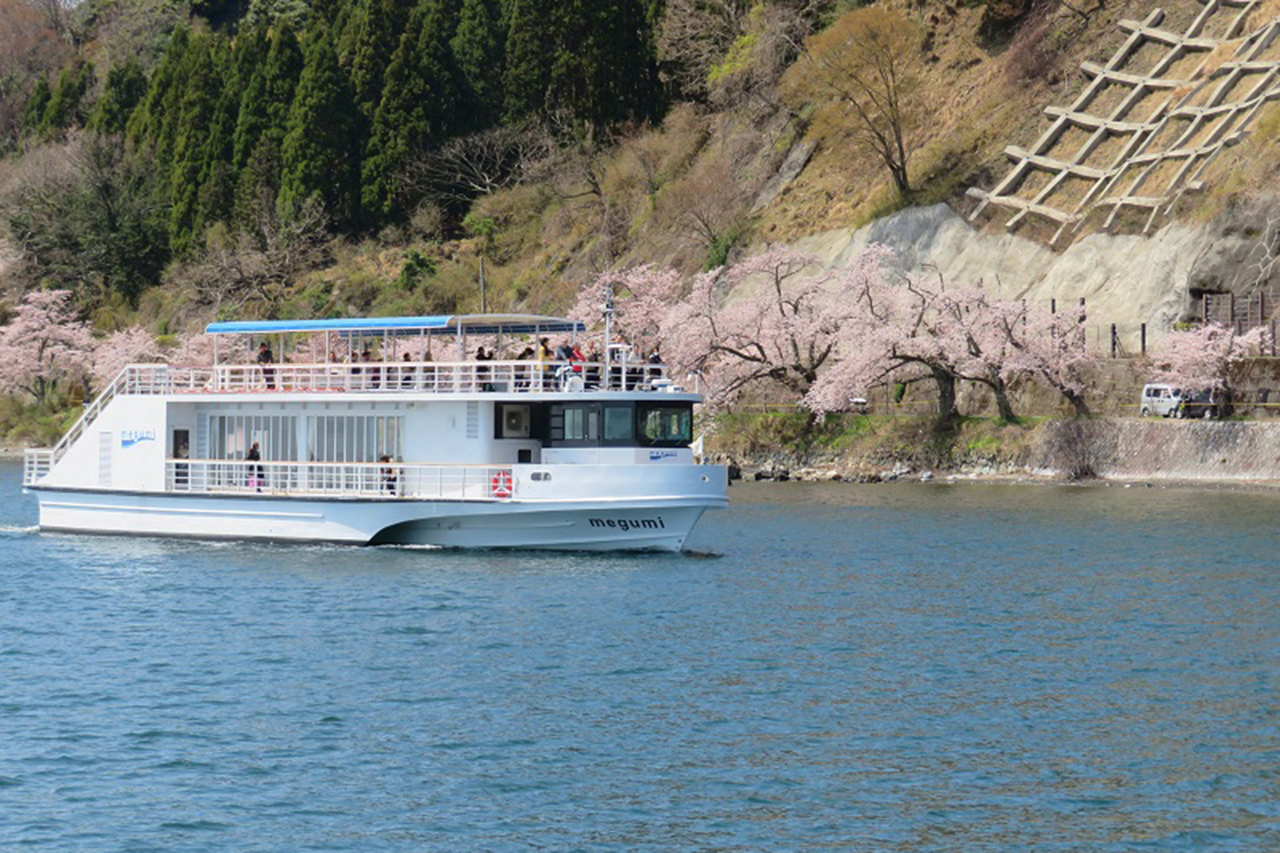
<point x="652" y="524"/>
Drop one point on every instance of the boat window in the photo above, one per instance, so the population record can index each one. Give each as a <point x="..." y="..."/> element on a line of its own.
<point x="230" y="436"/>
<point x="619" y="424"/>
<point x="354" y="438"/>
<point x="581" y="423"/>
<point x="668" y="425"/>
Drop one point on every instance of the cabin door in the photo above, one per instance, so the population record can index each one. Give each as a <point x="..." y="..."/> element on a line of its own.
<point x="181" y="450"/>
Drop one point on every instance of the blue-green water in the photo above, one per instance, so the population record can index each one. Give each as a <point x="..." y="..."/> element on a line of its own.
<point x="886" y="668"/>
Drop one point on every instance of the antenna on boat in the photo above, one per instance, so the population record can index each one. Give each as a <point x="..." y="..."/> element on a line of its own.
<point x="608" y="327"/>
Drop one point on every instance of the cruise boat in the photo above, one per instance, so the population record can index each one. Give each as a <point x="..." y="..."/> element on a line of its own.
<point x="402" y="448"/>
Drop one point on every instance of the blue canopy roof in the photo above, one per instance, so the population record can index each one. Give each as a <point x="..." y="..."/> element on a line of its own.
<point x="479" y="324"/>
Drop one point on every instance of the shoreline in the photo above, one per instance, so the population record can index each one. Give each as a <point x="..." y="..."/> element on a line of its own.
<point x="1010" y="478"/>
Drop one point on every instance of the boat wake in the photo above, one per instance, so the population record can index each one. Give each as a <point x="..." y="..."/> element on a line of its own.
<point x="18" y="529"/>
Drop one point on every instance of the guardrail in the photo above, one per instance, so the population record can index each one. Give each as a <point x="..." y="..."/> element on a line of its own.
<point x="383" y="377"/>
<point x="36" y="463"/>
<point x="389" y="480"/>
<point x="91" y="412"/>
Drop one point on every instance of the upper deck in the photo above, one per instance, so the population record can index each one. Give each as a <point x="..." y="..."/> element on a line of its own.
<point x="399" y="377"/>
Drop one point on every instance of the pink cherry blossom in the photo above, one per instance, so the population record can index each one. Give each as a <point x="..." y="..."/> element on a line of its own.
<point x="1201" y="359"/>
<point x="44" y="346"/>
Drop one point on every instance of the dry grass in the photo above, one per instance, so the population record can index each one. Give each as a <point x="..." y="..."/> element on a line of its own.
<point x="1159" y="181"/>
<point x="1033" y="183"/>
<point x="1220" y="125"/>
<point x="1262" y="14"/>
<point x="1105" y="153"/>
<point x="1148" y="108"/>
<point x="1178" y="18"/>
<point x="1069" y="143"/>
<point x="1108" y="99"/>
<point x="1144" y="59"/>
<point x="1069" y="193"/>
<point x="1270" y="53"/>
<point x="1185" y="66"/>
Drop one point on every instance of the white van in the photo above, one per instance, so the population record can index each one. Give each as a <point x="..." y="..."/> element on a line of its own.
<point x="1161" y="400"/>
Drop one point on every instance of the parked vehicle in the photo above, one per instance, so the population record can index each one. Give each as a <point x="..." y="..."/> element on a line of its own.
<point x="1160" y="400"/>
<point x="1200" y="404"/>
<point x="1167" y="401"/>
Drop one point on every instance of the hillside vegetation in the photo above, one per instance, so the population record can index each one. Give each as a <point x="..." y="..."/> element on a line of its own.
<point x="172" y="163"/>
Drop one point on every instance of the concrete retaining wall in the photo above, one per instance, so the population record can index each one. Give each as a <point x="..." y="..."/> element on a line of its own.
<point x="1143" y="449"/>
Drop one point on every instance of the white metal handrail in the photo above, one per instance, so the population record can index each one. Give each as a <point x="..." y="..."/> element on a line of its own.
<point x="389" y="480"/>
<point x="36" y="463"/>
<point x="386" y="377"/>
<point x="91" y="411"/>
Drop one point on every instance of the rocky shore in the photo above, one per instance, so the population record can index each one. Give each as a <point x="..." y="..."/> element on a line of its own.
<point x="1067" y="450"/>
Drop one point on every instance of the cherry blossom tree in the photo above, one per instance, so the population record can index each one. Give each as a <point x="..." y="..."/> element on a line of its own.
<point x="641" y="299"/>
<point x="1051" y="348"/>
<point x="119" y="349"/>
<point x="908" y="330"/>
<point x="44" y="346"/>
<point x="771" y="317"/>
<point x="192" y="350"/>
<point x="1201" y="359"/>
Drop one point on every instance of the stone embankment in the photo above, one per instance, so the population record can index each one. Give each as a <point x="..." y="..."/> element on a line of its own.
<point x="1241" y="452"/>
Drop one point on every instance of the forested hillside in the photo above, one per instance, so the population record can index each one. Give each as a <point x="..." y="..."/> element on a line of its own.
<point x="169" y="163"/>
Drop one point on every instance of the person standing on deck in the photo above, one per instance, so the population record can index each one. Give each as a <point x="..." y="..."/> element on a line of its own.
<point x="265" y="358"/>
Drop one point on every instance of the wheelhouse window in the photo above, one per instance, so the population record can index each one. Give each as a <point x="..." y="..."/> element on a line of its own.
<point x="619" y="424"/>
<point x="669" y="425"/>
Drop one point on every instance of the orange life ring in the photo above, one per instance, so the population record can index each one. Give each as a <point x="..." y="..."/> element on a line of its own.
<point x="500" y="485"/>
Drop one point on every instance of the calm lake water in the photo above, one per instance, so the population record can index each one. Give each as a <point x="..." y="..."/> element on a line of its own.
<point x="880" y="668"/>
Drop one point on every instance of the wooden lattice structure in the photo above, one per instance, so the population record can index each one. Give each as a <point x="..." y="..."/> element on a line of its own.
<point x="1148" y="123"/>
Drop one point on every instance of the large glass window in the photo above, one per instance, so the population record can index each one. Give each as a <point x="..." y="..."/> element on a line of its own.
<point x="619" y="424"/>
<point x="668" y="425"/>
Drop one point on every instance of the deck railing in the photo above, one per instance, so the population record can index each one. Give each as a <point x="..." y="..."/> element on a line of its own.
<point x="390" y="377"/>
<point x="36" y="463"/>
<point x="389" y="480"/>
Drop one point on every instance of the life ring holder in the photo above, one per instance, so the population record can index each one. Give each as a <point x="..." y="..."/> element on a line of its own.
<point x="501" y="485"/>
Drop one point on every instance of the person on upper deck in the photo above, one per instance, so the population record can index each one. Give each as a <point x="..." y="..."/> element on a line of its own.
<point x="265" y="358"/>
<point x="407" y="372"/>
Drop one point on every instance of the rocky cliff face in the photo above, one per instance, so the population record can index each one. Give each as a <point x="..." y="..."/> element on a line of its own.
<point x="1126" y="280"/>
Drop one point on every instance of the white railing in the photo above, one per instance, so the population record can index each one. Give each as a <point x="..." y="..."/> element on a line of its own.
<point x="388" y="480"/>
<point x="36" y="463"/>
<point x="384" y="377"/>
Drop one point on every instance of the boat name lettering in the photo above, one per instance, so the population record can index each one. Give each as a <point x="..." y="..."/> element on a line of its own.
<point x="629" y="523"/>
<point x="130" y="437"/>
<point x="656" y="455"/>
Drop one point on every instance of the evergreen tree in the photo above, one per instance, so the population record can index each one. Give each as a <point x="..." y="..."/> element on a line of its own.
<point x="263" y="119"/>
<point x="125" y="88"/>
<point x="419" y="105"/>
<point x="66" y="102"/>
<point x="530" y="50"/>
<point x="593" y="59"/>
<point x="319" y="154"/>
<point x="216" y="178"/>
<point x="198" y="101"/>
<point x="479" y="50"/>
<point x="146" y="122"/>
<point x="37" y="103"/>
<point x="620" y="78"/>
<point x="375" y="30"/>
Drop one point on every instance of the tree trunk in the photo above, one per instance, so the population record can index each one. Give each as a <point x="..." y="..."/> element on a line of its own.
<point x="1078" y="403"/>
<point x="946" y="394"/>
<point x="1002" y="400"/>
